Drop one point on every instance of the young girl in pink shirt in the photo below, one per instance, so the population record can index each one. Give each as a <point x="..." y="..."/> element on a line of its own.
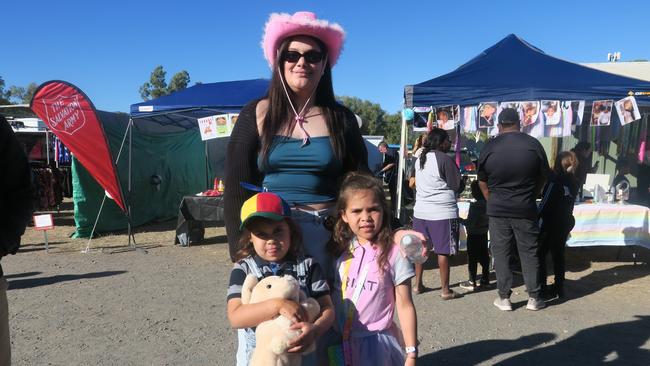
<point x="372" y="279"/>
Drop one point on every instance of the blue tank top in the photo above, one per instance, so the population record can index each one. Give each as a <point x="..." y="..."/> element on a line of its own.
<point x="306" y="174"/>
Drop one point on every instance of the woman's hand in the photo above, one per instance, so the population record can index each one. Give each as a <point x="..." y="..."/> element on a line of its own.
<point x="305" y="339"/>
<point x="291" y="310"/>
<point x="410" y="361"/>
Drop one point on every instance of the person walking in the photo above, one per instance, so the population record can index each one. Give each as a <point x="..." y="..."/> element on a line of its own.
<point x="512" y="170"/>
<point x="15" y="213"/>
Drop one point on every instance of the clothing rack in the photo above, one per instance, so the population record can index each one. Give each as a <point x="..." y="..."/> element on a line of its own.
<point x="50" y="185"/>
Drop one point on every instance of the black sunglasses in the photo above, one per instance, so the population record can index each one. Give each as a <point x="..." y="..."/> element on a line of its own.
<point x="312" y="57"/>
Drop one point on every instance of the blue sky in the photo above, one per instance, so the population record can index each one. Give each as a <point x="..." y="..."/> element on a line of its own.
<point x="109" y="48"/>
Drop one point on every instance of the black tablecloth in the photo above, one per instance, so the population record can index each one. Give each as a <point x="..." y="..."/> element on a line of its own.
<point x="193" y="213"/>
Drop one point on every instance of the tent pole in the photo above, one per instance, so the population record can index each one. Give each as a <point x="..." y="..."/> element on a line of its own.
<point x="128" y="212"/>
<point x="207" y="164"/>
<point x="117" y="159"/>
<point x="47" y="146"/>
<point x="400" y="170"/>
<point x="128" y="133"/>
<point x="92" y="233"/>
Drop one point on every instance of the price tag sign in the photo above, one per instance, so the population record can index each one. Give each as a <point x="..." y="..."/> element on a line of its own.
<point x="43" y="222"/>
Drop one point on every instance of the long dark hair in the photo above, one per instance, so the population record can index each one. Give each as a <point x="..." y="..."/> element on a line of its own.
<point x="565" y="168"/>
<point x="434" y="141"/>
<point x="279" y="110"/>
<point x="342" y="234"/>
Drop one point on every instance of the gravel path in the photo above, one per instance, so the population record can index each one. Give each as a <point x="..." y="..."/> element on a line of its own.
<point x="165" y="305"/>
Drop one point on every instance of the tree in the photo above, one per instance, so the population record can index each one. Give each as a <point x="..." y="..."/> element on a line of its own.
<point x="392" y="128"/>
<point x="16" y="94"/>
<point x="157" y="86"/>
<point x="178" y="81"/>
<point x="22" y="95"/>
<point x="371" y="114"/>
<point x="4" y="95"/>
<point x="375" y="120"/>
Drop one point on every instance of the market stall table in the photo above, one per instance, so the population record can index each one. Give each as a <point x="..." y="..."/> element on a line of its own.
<point x="194" y="212"/>
<point x="610" y="224"/>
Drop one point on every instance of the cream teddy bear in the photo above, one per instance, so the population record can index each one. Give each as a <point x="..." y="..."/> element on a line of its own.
<point x="273" y="336"/>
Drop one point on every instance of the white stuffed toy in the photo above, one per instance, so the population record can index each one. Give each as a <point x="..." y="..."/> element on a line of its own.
<point x="273" y="336"/>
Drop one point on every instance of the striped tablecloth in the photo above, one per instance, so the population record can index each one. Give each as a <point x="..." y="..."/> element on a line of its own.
<point x="610" y="224"/>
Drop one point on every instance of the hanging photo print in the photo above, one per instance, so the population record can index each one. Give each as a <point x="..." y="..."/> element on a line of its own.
<point x="601" y="112"/>
<point x="447" y="116"/>
<point x="528" y="112"/>
<point x="208" y="128"/>
<point x="566" y="107"/>
<point x="551" y="113"/>
<point x="487" y="114"/>
<point x="578" y="111"/>
<point x="627" y="110"/>
<point x="233" y="119"/>
<point x="420" y="118"/>
<point x="468" y="118"/>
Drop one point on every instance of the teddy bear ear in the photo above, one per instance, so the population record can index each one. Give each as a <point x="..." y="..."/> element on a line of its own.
<point x="247" y="288"/>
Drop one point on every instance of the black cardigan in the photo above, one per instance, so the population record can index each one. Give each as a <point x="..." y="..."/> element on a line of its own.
<point x="241" y="164"/>
<point x="15" y="191"/>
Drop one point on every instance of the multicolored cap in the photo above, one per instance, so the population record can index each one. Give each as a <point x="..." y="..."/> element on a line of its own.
<point x="264" y="204"/>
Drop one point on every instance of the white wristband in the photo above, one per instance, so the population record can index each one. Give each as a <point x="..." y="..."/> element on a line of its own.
<point x="411" y="349"/>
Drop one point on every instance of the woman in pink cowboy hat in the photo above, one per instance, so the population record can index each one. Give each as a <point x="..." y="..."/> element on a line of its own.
<point x="296" y="141"/>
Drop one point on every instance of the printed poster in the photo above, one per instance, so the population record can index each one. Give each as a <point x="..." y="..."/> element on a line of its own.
<point x="487" y="114"/>
<point x="208" y="128"/>
<point x="220" y="125"/>
<point x="551" y="113"/>
<point x="601" y="112"/>
<point x="421" y="118"/>
<point x="627" y="110"/>
<point x="528" y="112"/>
<point x="232" y="119"/>
<point x="447" y="116"/>
<point x="469" y="118"/>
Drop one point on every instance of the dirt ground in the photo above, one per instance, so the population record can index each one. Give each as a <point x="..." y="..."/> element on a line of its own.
<point x="165" y="305"/>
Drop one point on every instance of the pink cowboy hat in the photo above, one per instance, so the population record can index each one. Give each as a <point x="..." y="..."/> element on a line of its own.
<point x="282" y="25"/>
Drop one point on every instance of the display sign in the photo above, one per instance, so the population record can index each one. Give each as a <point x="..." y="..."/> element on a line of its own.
<point x="422" y="118"/>
<point x="220" y="125"/>
<point x="43" y="222"/>
<point x="627" y="110"/>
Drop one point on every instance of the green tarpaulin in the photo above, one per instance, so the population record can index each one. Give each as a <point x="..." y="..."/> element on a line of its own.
<point x="178" y="158"/>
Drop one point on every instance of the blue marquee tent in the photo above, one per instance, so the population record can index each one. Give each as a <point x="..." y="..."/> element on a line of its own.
<point x="514" y="70"/>
<point x="183" y="107"/>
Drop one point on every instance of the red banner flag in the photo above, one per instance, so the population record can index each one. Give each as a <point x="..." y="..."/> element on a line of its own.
<point x="71" y="116"/>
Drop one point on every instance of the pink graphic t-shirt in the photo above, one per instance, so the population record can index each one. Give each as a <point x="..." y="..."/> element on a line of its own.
<point x="376" y="304"/>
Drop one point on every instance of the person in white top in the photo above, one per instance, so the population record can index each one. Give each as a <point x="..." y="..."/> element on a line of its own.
<point x="435" y="214"/>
